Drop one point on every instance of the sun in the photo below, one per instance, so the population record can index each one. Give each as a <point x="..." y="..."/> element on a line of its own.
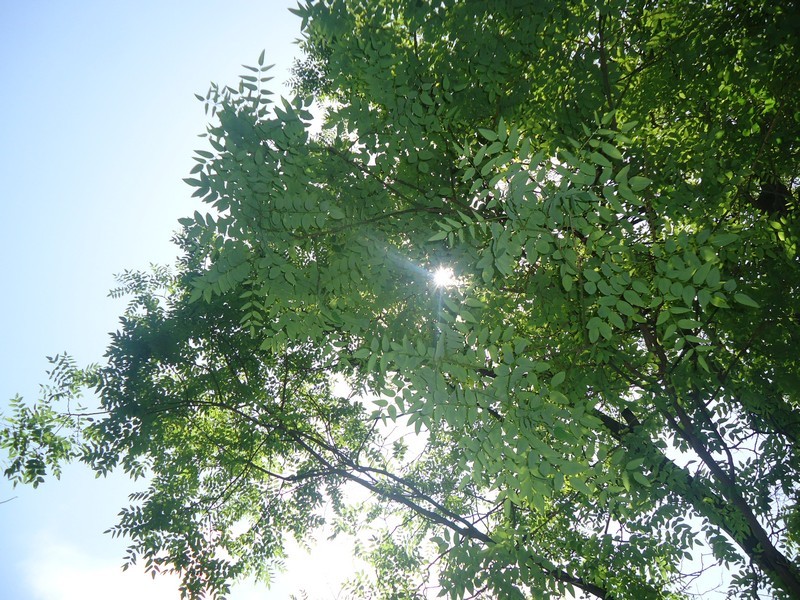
<point x="443" y="277"/>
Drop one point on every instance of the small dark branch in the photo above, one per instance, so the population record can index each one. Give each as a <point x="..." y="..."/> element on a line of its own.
<point x="604" y="67"/>
<point x="285" y="381"/>
<point x="374" y="219"/>
<point x="591" y="588"/>
<point x="366" y="438"/>
<point x="467" y="530"/>
<point x="387" y="185"/>
<point x="655" y="348"/>
<point x="415" y="491"/>
<point x="767" y="135"/>
<point x="390" y="186"/>
<point x="709" y="421"/>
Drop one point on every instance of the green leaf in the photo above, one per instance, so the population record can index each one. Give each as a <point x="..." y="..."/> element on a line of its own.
<point x="599" y="159"/>
<point x="558" y="378"/>
<point x="616" y="321"/>
<point x="745" y="300"/>
<point x="633" y="298"/>
<point x="723" y="239"/>
<point x="625" y="308"/>
<point x="611" y="151"/>
<point x="639" y="183"/>
<point x="488" y="134"/>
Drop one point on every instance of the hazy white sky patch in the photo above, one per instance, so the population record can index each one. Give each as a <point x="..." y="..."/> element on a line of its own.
<point x="62" y="571"/>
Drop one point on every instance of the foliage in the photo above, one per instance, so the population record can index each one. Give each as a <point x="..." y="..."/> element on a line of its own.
<point x="610" y="386"/>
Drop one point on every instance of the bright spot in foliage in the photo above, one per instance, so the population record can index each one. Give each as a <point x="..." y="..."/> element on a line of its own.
<point x="444" y="277"/>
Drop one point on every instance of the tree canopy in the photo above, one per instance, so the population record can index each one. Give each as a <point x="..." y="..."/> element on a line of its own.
<point x="606" y="389"/>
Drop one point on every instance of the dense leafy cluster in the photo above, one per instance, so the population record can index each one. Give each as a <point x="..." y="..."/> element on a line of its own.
<point x="608" y="389"/>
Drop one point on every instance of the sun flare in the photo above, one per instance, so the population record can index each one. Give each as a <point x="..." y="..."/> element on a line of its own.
<point x="444" y="277"/>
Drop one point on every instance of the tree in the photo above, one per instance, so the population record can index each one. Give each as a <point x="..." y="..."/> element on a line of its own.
<point x="610" y="381"/>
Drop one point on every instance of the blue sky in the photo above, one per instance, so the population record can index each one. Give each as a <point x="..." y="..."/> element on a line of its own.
<point x="100" y="121"/>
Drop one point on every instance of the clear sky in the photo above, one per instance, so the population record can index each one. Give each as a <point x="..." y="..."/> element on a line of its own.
<point x="100" y="121"/>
